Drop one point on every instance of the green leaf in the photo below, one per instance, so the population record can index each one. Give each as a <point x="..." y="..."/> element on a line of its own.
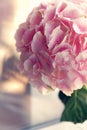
<point x="64" y="98"/>
<point x="76" y="107"/>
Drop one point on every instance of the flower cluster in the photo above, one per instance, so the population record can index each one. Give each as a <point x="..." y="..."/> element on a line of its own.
<point x="53" y="45"/>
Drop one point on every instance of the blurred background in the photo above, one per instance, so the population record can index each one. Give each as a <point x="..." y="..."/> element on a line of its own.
<point x="20" y="104"/>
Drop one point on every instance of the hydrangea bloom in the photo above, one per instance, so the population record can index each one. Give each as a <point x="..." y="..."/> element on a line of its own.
<point x="53" y="45"/>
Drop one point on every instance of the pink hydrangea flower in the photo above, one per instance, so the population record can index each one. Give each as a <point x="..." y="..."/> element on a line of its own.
<point x="53" y="45"/>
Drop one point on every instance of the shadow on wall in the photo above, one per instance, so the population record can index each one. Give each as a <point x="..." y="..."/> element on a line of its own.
<point x="12" y="81"/>
<point x="10" y="78"/>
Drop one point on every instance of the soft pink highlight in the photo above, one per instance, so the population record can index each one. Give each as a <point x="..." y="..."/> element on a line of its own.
<point x="53" y="45"/>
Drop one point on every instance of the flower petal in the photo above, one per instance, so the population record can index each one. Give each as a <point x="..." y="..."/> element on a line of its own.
<point x="35" y="18"/>
<point x="28" y="36"/>
<point x="38" y="43"/>
<point x="80" y="25"/>
<point x="49" y="13"/>
<point x="45" y="62"/>
<point x="56" y="37"/>
<point x="50" y="26"/>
